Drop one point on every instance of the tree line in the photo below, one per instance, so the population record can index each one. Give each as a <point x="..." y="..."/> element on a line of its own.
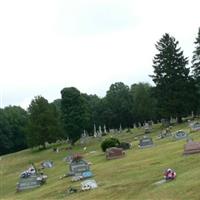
<point x="175" y="94"/>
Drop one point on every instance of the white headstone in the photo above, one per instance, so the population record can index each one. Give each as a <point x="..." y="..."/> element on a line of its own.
<point x="95" y="131"/>
<point x="104" y="129"/>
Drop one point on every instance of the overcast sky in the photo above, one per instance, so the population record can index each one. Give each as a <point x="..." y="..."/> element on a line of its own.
<point x="46" y="45"/>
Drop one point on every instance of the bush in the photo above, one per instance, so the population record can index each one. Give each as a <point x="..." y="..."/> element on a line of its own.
<point x="109" y="142"/>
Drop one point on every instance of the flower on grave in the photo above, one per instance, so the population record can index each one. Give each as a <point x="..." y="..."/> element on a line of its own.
<point x="77" y="157"/>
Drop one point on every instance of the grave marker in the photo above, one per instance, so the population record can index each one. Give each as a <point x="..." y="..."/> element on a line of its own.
<point x="191" y="148"/>
<point x="179" y="135"/>
<point x="146" y="142"/>
<point x="114" y="152"/>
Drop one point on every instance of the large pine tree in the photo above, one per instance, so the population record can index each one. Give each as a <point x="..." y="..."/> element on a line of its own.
<point x="171" y="78"/>
<point x="196" y="71"/>
<point x="196" y="58"/>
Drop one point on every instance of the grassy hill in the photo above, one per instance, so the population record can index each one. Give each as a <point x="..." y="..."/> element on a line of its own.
<point x="130" y="177"/>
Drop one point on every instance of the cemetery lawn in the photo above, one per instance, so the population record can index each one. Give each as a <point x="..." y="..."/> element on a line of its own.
<point x="130" y="177"/>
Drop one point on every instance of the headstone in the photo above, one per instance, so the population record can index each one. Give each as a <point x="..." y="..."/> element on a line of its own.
<point x="124" y="145"/>
<point x="95" y="131"/>
<point x="99" y="134"/>
<point x="165" y="133"/>
<point x="30" y="179"/>
<point x="146" y="142"/>
<point x="165" y="123"/>
<point x="191" y="148"/>
<point x="147" y="128"/>
<point x="29" y="183"/>
<point x="195" y="126"/>
<point x="47" y="164"/>
<point x="114" y="152"/>
<point x="120" y="128"/>
<point x="112" y="130"/>
<point x="78" y="167"/>
<point x="88" y="184"/>
<point x="180" y="135"/>
<point x="104" y="129"/>
<point x="192" y="115"/>
<point x="68" y="159"/>
<point x="173" y="120"/>
<point x="100" y="131"/>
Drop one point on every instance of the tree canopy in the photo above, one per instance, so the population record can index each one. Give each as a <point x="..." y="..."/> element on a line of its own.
<point x="171" y="77"/>
<point x="43" y="125"/>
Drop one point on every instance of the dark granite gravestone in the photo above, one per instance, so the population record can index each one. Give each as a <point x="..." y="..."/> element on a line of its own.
<point x="124" y="145"/>
<point x="114" y="152"/>
<point x="191" y="148"/>
<point x="30" y="182"/>
<point x="179" y="135"/>
<point x="146" y="142"/>
<point x="77" y="167"/>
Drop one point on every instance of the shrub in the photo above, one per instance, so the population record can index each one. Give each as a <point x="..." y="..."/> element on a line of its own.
<point x="109" y="142"/>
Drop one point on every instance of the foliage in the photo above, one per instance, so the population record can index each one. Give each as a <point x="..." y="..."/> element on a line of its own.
<point x="196" y="71"/>
<point x="6" y="142"/>
<point x="74" y="113"/>
<point x="43" y="125"/>
<point x="144" y="104"/>
<point x="119" y="104"/>
<point x="13" y="119"/>
<point x="196" y="58"/>
<point x="17" y="119"/>
<point x="171" y="78"/>
<point x="109" y="142"/>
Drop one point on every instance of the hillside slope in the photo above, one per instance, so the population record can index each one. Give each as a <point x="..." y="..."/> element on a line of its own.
<point x="130" y="177"/>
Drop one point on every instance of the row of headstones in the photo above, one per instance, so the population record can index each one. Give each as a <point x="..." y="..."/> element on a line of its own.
<point x="146" y="125"/>
<point x="145" y="142"/>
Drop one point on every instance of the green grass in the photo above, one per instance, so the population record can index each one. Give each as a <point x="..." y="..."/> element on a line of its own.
<point x="130" y="177"/>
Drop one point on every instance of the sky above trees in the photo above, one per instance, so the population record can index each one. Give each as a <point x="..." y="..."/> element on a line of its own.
<point x="47" y="45"/>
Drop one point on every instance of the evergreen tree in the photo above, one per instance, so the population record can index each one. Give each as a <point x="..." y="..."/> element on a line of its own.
<point x="172" y="80"/>
<point x="196" y="58"/>
<point x="196" y="71"/>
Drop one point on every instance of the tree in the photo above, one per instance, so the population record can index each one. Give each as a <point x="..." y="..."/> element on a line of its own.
<point x="196" y="58"/>
<point x="109" y="142"/>
<point x="144" y="104"/>
<point x="43" y="125"/>
<point x="171" y="77"/>
<point x="119" y="102"/>
<point x="74" y="113"/>
<point x="6" y="143"/>
<point x="196" y="69"/>
<point x="17" y="119"/>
